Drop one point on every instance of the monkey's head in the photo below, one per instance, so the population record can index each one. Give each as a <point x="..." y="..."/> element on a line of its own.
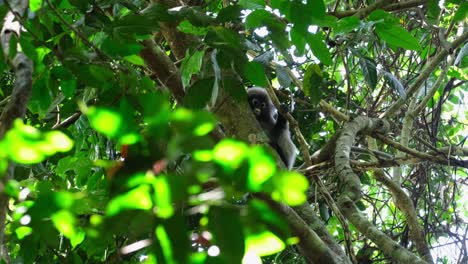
<point x="263" y="108"/>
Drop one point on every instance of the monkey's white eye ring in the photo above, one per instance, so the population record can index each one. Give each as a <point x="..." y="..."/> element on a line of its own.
<point x="263" y="105"/>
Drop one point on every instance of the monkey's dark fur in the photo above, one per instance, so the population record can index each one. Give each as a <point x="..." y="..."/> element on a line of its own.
<point x="274" y="123"/>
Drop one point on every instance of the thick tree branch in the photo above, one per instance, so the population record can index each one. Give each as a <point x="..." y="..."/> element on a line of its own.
<point x="349" y="180"/>
<point x="352" y="191"/>
<point x="16" y="106"/>
<point x="405" y="204"/>
<point x="178" y="41"/>
<point x="313" y="248"/>
<point x="308" y="161"/>
<point x="386" y="244"/>
<point x="163" y="67"/>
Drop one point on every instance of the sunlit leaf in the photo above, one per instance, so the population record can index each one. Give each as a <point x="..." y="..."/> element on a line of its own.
<point x="129" y="138"/>
<point x="106" y="121"/>
<point x="23" y="231"/>
<point x="165" y="242"/>
<point x="290" y="188"/>
<point x="65" y="223"/>
<point x="262" y="167"/>
<point x="12" y="188"/>
<point x="164" y="208"/>
<point x="35" y="5"/>
<point x="138" y="198"/>
<point x="204" y="128"/>
<point x="230" y="153"/>
<point x="203" y="155"/>
<point x="264" y="243"/>
<point x="59" y="141"/>
<point x="26" y="144"/>
<point x="63" y="199"/>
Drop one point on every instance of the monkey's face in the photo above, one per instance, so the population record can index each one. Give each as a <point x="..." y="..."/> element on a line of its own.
<point x="264" y="110"/>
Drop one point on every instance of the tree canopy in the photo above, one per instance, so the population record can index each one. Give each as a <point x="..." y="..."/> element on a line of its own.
<point x="126" y="136"/>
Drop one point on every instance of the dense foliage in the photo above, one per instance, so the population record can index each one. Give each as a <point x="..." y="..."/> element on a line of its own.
<point x="126" y="137"/>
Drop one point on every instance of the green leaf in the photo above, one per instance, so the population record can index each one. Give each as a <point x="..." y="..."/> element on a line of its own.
<point x="199" y="93"/>
<point x="81" y="166"/>
<point x="347" y="24"/>
<point x="193" y="123"/>
<point x="461" y="13"/>
<point x="235" y="88"/>
<point x="395" y="84"/>
<point x="255" y="72"/>
<point x="12" y="188"/>
<point x="226" y="225"/>
<point x="117" y="47"/>
<point x="101" y="73"/>
<point x="324" y="211"/>
<point x="379" y="15"/>
<point x="220" y="37"/>
<point x="138" y="198"/>
<point x="252" y="4"/>
<point x="162" y="190"/>
<point x="433" y="9"/>
<point x="317" y="9"/>
<point x="40" y="97"/>
<point x="397" y="36"/>
<point x="197" y="17"/>
<point x="106" y="121"/>
<point x="313" y="78"/>
<point x="187" y="27"/>
<point x="23" y="231"/>
<point x="157" y="13"/>
<point x="299" y="40"/>
<point x="135" y="59"/>
<point x="319" y="48"/>
<point x="26" y="144"/>
<point x="230" y="13"/>
<point x="262" y="214"/>
<point x="257" y="18"/>
<point x="264" y="244"/>
<point x="300" y="15"/>
<point x="229" y="153"/>
<point x="191" y="65"/>
<point x="369" y="70"/>
<point x="262" y="167"/>
<point x="65" y="222"/>
<point x="134" y="24"/>
<point x="165" y="243"/>
<point x="283" y="77"/>
<point x="35" y="5"/>
<point x="290" y="188"/>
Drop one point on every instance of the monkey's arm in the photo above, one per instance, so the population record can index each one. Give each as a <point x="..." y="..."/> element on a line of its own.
<point x="283" y="142"/>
